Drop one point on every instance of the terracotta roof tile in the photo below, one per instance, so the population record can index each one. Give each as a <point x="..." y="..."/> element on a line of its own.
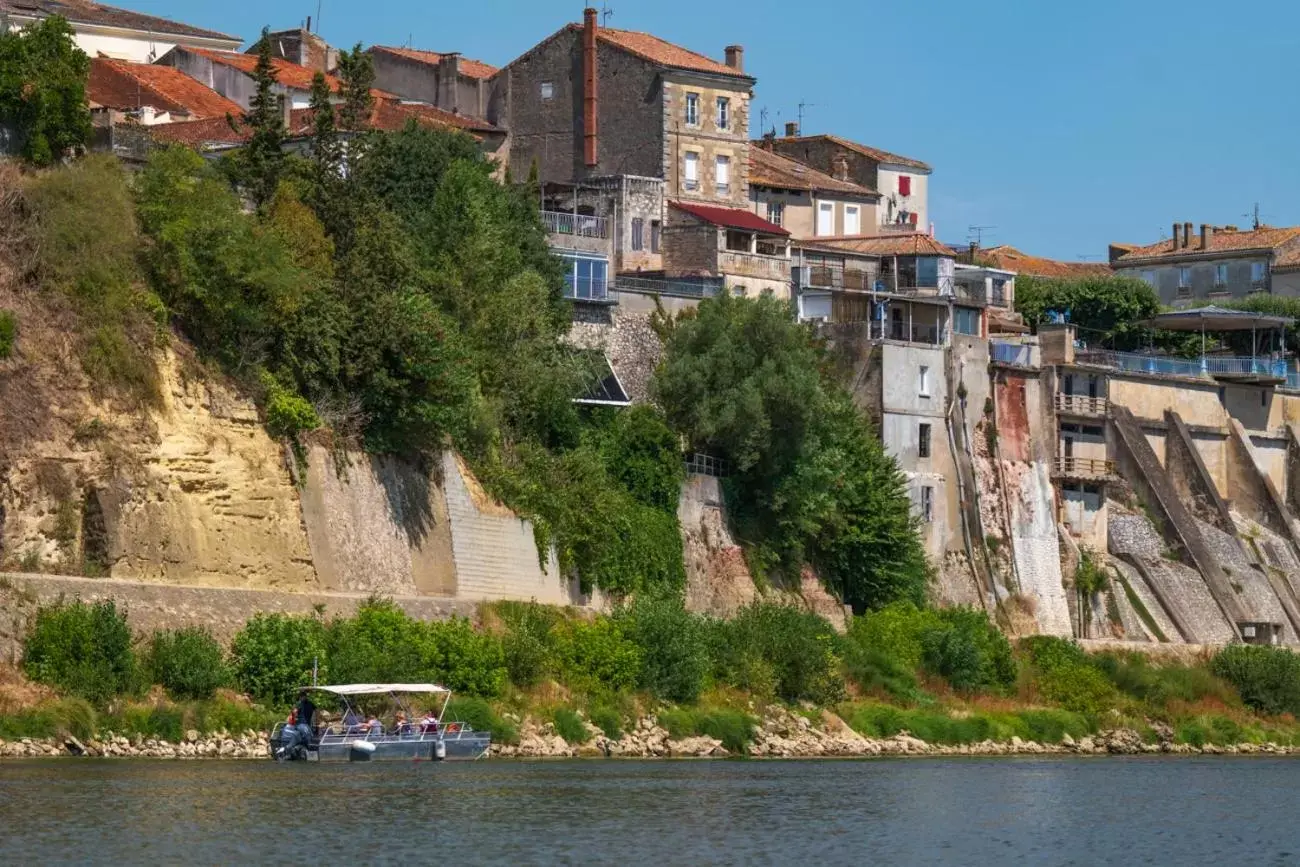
<point x="888" y="245"/>
<point x="1011" y="259"/>
<point x="129" y="86"/>
<point x="660" y="51"/>
<point x="84" y="12"/>
<point x="289" y="74"/>
<point x="468" y="67"/>
<point x="1222" y="241"/>
<point x="731" y="218"/>
<point x="876" y="154"/>
<point x="1287" y="258"/>
<point x="773" y="170"/>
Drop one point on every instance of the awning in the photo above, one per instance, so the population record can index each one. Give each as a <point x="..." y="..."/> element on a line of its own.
<point x="381" y="688"/>
<point x="731" y="218"/>
<point x="1216" y="319"/>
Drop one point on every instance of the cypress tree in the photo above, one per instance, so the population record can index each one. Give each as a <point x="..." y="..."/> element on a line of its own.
<point x="263" y="156"/>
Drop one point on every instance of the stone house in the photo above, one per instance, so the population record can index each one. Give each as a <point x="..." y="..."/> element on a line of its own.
<point x="1220" y="262"/>
<point x="810" y="203"/>
<point x="230" y="74"/>
<point x="118" y="91"/>
<point x="742" y="251"/>
<point x="302" y="47"/>
<point x="107" y="31"/>
<point x="902" y="182"/>
<point x="443" y="79"/>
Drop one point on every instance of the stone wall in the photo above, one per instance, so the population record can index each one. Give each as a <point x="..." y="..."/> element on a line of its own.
<point x="629" y="342"/>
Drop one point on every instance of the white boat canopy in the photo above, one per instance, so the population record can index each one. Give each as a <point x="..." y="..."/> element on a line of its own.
<point x="381" y="688"/>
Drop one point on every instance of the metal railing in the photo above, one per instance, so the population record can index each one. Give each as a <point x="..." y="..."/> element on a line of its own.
<point x="1017" y="354"/>
<point x="579" y="225"/>
<point x="1193" y="368"/>
<point x="1243" y="366"/>
<point x="753" y="265"/>
<point x="1293" y="381"/>
<point x="677" y="288"/>
<point x="1084" y="468"/>
<point x="834" y="275"/>
<point x="706" y="465"/>
<point x="1081" y="404"/>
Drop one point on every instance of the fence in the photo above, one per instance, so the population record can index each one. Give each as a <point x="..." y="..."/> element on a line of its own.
<point x="580" y="225"/>
<point x="1084" y="468"/>
<point x="706" y="465"/>
<point x="588" y="289"/>
<point x="1195" y="368"/>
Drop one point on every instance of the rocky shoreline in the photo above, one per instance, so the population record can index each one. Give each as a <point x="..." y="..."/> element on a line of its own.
<point x="781" y="735"/>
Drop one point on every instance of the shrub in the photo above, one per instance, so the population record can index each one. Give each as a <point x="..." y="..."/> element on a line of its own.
<point x="188" y="663"/>
<point x="1134" y="675"/>
<point x="597" y="655"/>
<point x="477" y="713"/>
<point x="527" y="642"/>
<point x="8" y="333"/>
<point x="289" y="414"/>
<point x="674" y="655"/>
<point x="273" y="655"/>
<point x="894" y="631"/>
<point x="381" y="643"/>
<point x="801" y="649"/>
<point x="464" y="660"/>
<point x="608" y="720"/>
<point x="1079" y="688"/>
<point x="734" y="728"/>
<point x="1047" y="652"/>
<point x="569" y="725"/>
<point x="968" y="651"/>
<point x="1209" y="729"/>
<point x="82" y="649"/>
<point x="643" y="454"/>
<point x="1268" y="678"/>
<point x="876" y="671"/>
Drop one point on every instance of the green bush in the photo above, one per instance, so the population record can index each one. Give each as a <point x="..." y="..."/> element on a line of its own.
<point x="1268" y="678"/>
<point x="608" y="720"/>
<point x="596" y="655"/>
<point x="569" y="725"/>
<point x="465" y="660"/>
<point x="674" y="653"/>
<point x="734" y="728"/>
<point x="876" y="671"/>
<point x="188" y="663"/>
<point x="644" y="455"/>
<point x="381" y="643"/>
<point x="1079" y="688"/>
<point x="82" y="649"/>
<point x="289" y="414"/>
<point x="477" y="713"/>
<point x="801" y="649"/>
<point x="1135" y="675"/>
<point x="968" y="651"/>
<point x="273" y="655"/>
<point x="1209" y="729"/>
<point x="528" y="639"/>
<point x="8" y="333"/>
<point x="894" y="631"/>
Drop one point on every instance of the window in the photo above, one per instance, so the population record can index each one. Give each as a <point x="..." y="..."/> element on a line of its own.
<point x="927" y="504"/>
<point x="923" y="382"/>
<point x="724" y="113"/>
<point x="923" y="440"/>
<point x="548" y="90"/>
<point x="692" y="109"/>
<point x="825" y="218"/>
<point x="1184" y="278"/>
<point x="904" y="185"/>
<point x="1149" y="278"/>
<point x="1220" y="275"/>
<point x="852" y="220"/>
<point x="775" y="213"/>
<point x="654" y="236"/>
<point x="585" y="279"/>
<point x="638" y="233"/>
<point x="723" y="175"/>
<point x="1258" y="271"/>
<point x="966" y="320"/>
<point x="691" y="181"/>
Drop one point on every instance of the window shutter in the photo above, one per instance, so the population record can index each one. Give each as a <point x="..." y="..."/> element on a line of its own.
<point x="904" y="185"/>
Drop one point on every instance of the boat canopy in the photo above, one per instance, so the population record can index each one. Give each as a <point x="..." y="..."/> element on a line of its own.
<point x="381" y="688"/>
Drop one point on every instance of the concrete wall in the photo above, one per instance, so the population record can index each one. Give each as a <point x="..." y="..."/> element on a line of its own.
<point x="413" y="79"/>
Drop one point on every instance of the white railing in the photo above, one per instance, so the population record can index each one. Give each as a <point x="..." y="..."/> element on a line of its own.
<point x="579" y="225"/>
<point x="1081" y="404"/>
<point x="753" y="265"/>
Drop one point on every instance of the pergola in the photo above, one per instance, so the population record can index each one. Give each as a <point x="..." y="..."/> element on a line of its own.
<point x="1221" y="320"/>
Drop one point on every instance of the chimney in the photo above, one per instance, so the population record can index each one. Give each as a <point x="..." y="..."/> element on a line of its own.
<point x="735" y="55"/>
<point x="1187" y="236"/>
<point x="791" y="129"/>
<point x="286" y="111"/>
<point x="589" y="76"/>
<point x="449" y="82"/>
<point x="1207" y="234"/>
<point x="1178" y="235"/>
<point x="840" y="167"/>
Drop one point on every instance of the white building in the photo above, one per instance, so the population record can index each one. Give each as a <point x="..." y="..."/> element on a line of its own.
<point x="110" y="31"/>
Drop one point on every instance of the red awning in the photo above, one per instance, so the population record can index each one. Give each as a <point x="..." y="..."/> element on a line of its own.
<point x="731" y="218"/>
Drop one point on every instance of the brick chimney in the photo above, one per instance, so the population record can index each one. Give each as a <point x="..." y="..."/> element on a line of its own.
<point x="840" y="167"/>
<point x="1187" y="236"/>
<point x="1207" y="235"/>
<point x="449" y="81"/>
<point x="735" y="55"/>
<point x="1178" y="235"/>
<point x="589" y="77"/>
<point x="791" y="129"/>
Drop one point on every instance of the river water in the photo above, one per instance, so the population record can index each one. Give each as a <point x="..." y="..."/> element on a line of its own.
<point x="1222" y="811"/>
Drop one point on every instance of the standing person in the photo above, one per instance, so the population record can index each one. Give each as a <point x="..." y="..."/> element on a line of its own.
<point x="305" y="711"/>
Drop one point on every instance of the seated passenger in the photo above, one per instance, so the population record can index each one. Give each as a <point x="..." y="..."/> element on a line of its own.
<point x="429" y="724"/>
<point x="353" y="722"/>
<point x="400" y="724"/>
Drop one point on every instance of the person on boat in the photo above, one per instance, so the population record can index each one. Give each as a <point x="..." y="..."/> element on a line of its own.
<point x="304" y="712"/>
<point x="429" y="725"/>
<point x="374" y="725"/>
<point x="401" y="725"/>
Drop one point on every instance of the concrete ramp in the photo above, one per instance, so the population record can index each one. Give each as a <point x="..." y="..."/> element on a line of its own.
<point x="1131" y="580"/>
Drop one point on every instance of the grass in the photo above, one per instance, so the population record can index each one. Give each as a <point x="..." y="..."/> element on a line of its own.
<point x="939" y="727"/>
<point x="569" y="725"/>
<point x="734" y="728"/>
<point x="1142" y="612"/>
<point x="163" y="720"/>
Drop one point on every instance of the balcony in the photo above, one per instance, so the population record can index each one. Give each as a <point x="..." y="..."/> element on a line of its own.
<point x="1088" y="469"/>
<point x="1082" y="404"/>
<point x="1014" y="354"/>
<point x="734" y="263"/>
<point x="1219" y="367"/>
<point x="673" y="288"/>
<point x="577" y="225"/>
<point x="833" y="275"/>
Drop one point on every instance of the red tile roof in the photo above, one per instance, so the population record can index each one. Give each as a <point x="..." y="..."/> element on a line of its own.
<point x="1263" y="239"/>
<point x="1287" y="258"/>
<point x="85" y="12"/>
<point x="767" y="169"/>
<point x="888" y="245"/>
<point x="1011" y="259"/>
<point x="731" y="218"/>
<point x="129" y="86"/>
<point x="660" y="51"/>
<point x="468" y="67"/>
<point x="876" y="154"/>
<point x="289" y="74"/>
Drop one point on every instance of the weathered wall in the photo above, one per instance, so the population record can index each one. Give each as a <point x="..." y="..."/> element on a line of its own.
<point x="629" y="342"/>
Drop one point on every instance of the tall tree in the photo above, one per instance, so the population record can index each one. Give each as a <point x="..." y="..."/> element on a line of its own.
<point x="43" y="89"/>
<point x="356" y="71"/>
<point x="324" y="136"/>
<point x="263" y="156"/>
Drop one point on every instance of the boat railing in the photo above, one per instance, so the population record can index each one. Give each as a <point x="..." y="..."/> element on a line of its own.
<point x="334" y="733"/>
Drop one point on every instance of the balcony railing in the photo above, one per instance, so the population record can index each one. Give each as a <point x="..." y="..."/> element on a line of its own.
<point x="1081" y="404"/>
<point x="1084" y="468"/>
<point x="676" y="288"/>
<point x="1017" y="354"/>
<point x="833" y="275"/>
<point x="753" y="265"/>
<point x="1193" y="368"/>
<point x="578" y="225"/>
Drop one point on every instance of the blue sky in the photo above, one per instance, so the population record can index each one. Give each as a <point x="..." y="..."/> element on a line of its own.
<point x="1064" y="125"/>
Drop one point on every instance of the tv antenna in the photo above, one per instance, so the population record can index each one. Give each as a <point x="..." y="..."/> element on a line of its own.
<point x="762" y="120"/>
<point x="605" y="13"/>
<point x="976" y="234"/>
<point x="1253" y="216"/>
<point x="802" y="107"/>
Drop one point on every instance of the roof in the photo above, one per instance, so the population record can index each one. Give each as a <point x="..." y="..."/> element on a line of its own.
<point x="1213" y="318"/>
<point x="121" y="85"/>
<point x="84" y="12"/>
<point x="769" y="169"/>
<point x="468" y="67"/>
<point x="287" y="73"/>
<point x="660" y="51"/>
<point x="380" y="688"/>
<point x="1263" y="239"/>
<point x="911" y="244"/>
<point x="880" y="156"/>
<point x="731" y="218"/>
<point x="1287" y="259"/>
<point x="1008" y="257"/>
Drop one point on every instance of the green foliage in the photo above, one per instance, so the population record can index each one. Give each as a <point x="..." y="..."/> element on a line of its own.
<point x="1090" y="577"/>
<point x="8" y="333"/>
<point x="1105" y="308"/>
<point x="937" y="727"/>
<point x="894" y="631"/>
<point x="465" y="660"/>
<point x="744" y="381"/>
<point x="799" y="648"/>
<point x="734" y="728"/>
<point x="43" y="88"/>
<point x="1159" y="684"/>
<point x="1065" y="675"/>
<point x="878" y="672"/>
<point x="674" y="649"/>
<point x="642" y="453"/>
<point x="608" y="720"/>
<point x="597" y="656"/>
<point x="1268" y="678"/>
<point x="288" y="414"/>
<point x="1208" y="729"/>
<point x="188" y="663"/>
<point x="273" y="655"/>
<point x="478" y="713"/>
<point x="569" y="725"/>
<point x="528" y="641"/>
<point x="82" y="649"/>
<point x="356" y="71"/>
<point x="262" y="158"/>
<point x="968" y="651"/>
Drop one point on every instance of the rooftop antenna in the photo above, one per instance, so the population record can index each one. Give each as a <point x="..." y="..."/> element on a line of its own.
<point x="976" y="233"/>
<point x="605" y="13"/>
<point x="762" y="119"/>
<point x="802" y="107"/>
<point x="1253" y="216"/>
<point x="318" y="5"/>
